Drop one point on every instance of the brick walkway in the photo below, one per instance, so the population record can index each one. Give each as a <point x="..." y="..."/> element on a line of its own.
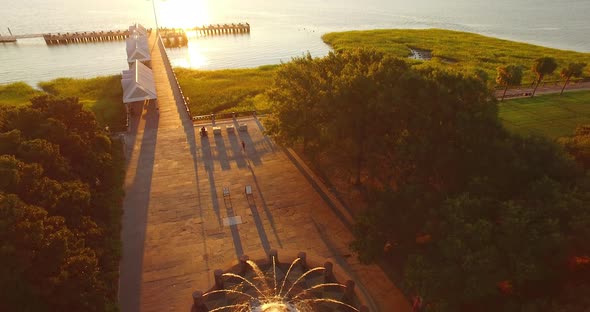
<point x="175" y="231"/>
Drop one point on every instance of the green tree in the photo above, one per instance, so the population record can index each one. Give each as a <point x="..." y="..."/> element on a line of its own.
<point x="572" y="70"/>
<point x="508" y="76"/>
<point x="297" y="94"/>
<point x="543" y="66"/>
<point x="578" y="145"/>
<point x="360" y="105"/>
<point x="59" y="228"/>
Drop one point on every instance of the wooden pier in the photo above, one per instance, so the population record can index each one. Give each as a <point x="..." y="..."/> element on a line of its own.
<point x="171" y="37"/>
<point x="84" y="37"/>
<point x="223" y="29"/>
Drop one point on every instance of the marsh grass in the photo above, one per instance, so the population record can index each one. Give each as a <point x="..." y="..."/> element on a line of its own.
<point x="549" y="115"/>
<point x="469" y="51"/>
<point x="228" y="90"/>
<point x="102" y="95"/>
<point x="16" y="94"/>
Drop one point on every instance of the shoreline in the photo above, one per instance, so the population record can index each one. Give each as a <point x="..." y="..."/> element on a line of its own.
<point x="411" y="46"/>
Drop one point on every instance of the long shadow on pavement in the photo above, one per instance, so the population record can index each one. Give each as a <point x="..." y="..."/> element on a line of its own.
<point x="208" y="162"/>
<point x="221" y="152"/>
<point x="235" y="233"/>
<point x="259" y="226"/>
<point x="136" y="203"/>
<point x="265" y="207"/>
<point x="251" y="150"/>
<point x="236" y="148"/>
<point x="207" y="158"/>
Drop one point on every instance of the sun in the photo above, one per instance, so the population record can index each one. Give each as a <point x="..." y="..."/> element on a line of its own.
<point x="182" y="13"/>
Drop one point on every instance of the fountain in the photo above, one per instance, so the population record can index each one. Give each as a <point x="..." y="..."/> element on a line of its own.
<point x="272" y="286"/>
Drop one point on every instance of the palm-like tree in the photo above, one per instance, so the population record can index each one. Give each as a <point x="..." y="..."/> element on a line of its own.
<point x="543" y="66"/>
<point x="572" y="70"/>
<point x="510" y="75"/>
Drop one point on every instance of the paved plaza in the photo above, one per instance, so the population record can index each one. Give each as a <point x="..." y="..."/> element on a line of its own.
<point x="179" y="223"/>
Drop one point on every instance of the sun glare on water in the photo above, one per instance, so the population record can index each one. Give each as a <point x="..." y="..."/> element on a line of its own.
<point x="182" y="13"/>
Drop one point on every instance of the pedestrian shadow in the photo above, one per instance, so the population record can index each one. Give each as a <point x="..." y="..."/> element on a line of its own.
<point x="208" y="164"/>
<point x="251" y="151"/>
<point x="221" y="152"/>
<point x="236" y="149"/>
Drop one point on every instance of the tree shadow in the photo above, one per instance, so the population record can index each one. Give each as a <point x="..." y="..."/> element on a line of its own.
<point x="267" y="140"/>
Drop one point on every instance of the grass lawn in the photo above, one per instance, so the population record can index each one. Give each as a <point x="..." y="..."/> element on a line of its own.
<point x="550" y="115"/>
<point x="470" y="51"/>
<point x="228" y="90"/>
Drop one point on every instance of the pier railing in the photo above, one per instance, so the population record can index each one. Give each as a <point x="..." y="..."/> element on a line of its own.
<point x="169" y="65"/>
<point x="174" y="37"/>
<point x="231" y="115"/>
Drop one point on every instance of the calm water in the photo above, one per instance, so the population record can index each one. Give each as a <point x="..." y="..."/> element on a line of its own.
<point x="281" y="29"/>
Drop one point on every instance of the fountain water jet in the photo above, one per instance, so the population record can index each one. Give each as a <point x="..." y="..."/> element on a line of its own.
<point x="248" y="288"/>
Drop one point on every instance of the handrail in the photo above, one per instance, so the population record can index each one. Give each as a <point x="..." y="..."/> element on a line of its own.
<point x="224" y="115"/>
<point x="167" y="62"/>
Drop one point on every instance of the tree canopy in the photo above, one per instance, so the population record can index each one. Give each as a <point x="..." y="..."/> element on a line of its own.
<point x="60" y="205"/>
<point x="508" y="76"/>
<point x="472" y="217"/>
<point x="365" y="106"/>
<point x="543" y="66"/>
<point x="572" y="70"/>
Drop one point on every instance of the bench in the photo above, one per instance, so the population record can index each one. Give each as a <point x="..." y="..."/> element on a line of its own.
<point x="243" y="127"/>
<point x="216" y="130"/>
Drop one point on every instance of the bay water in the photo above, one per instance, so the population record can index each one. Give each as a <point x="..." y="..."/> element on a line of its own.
<point x="280" y="29"/>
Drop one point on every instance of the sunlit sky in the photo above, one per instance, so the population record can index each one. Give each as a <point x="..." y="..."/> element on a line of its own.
<point x="183" y="13"/>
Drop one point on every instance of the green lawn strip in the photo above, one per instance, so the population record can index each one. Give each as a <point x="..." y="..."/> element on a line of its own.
<point x="551" y="115"/>
<point x="470" y="51"/>
<point x="16" y="94"/>
<point x="228" y="90"/>
<point x="101" y="95"/>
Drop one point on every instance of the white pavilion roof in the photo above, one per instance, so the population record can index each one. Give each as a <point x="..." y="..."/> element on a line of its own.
<point x="138" y="83"/>
<point x="137" y="48"/>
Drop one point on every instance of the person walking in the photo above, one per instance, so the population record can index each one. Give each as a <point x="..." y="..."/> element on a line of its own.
<point x="243" y="146"/>
<point x="417" y="304"/>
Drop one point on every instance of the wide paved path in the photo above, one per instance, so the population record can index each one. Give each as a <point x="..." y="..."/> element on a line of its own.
<point x="177" y="223"/>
